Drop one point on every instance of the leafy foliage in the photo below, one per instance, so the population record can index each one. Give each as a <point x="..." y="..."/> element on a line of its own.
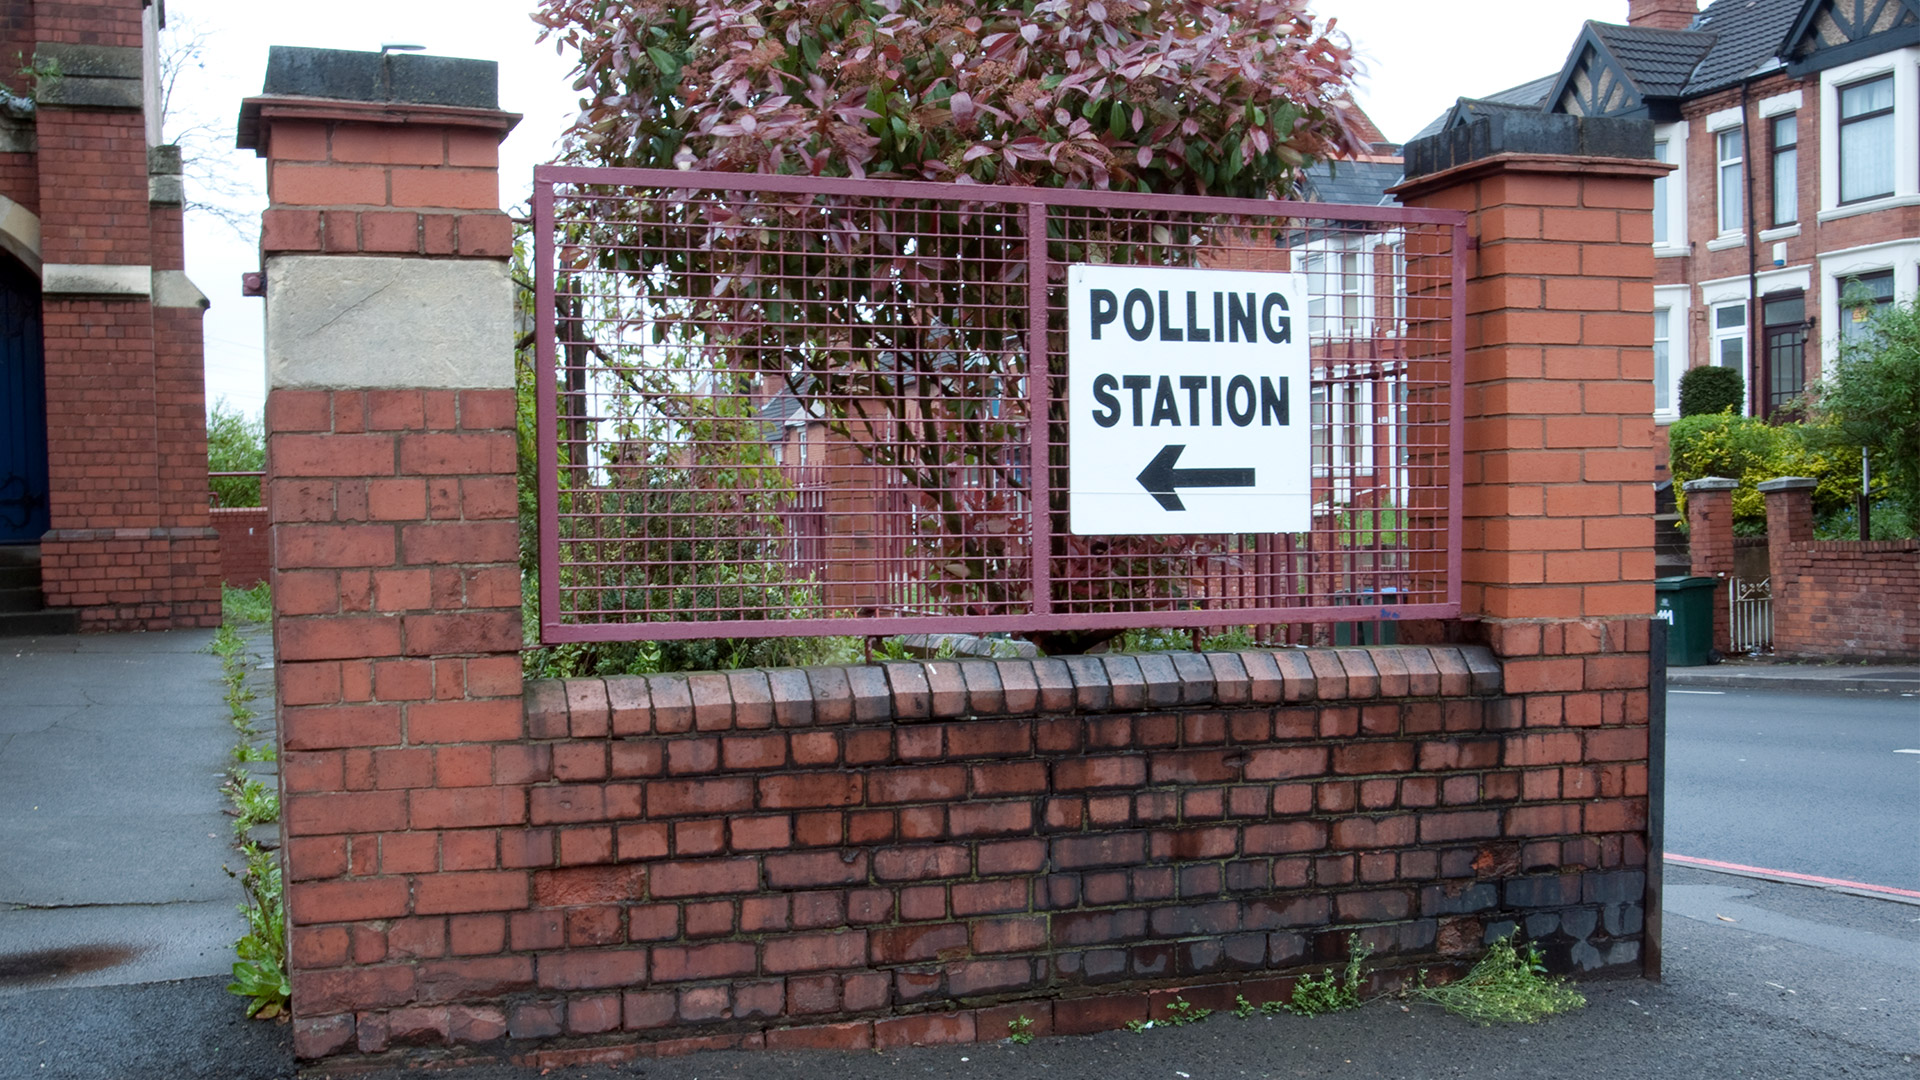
<point x="1506" y="985"/>
<point x="236" y="442"/>
<point x="1226" y="98"/>
<point x="1871" y="397"/>
<point x="1324" y="993"/>
<point x="254" y="605"/>
<point x="1711" y="389"/>
<point x="260" y="970"/>
<point x="1751" y="450"/>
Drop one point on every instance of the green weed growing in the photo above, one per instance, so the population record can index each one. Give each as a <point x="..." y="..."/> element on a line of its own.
<point x="1508" y="985"/>
<point x="1314" y="995"/>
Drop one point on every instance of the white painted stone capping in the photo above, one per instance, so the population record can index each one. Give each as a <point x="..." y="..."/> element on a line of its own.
<point x="352" y="322"/>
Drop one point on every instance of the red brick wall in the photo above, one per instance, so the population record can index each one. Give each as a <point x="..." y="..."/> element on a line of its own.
<point x="1848" y="599"/>
<point x="877" y="855"/>
<point x="1839" y="599"/>
<point x="244" y="555"/>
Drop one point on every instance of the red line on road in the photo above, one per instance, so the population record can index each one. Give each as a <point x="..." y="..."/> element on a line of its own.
<point x="1715" y="864"/>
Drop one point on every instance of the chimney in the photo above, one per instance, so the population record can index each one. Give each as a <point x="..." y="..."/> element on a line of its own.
<point x="1662" y="14"/>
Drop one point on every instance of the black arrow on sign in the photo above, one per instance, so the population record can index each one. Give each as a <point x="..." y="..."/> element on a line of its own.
<point x="1161" y="479"/>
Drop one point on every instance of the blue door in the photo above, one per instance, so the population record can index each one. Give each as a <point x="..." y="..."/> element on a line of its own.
<point x="23" y="408"/>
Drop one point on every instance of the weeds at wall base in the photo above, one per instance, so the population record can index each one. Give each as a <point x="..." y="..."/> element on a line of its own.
<point x="260" y="963"/>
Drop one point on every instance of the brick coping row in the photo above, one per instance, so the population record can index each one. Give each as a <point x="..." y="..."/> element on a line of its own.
<point x="921" y="690"/>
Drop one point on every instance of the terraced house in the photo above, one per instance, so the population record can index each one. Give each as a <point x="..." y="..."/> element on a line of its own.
<point x="1794" y="206"/>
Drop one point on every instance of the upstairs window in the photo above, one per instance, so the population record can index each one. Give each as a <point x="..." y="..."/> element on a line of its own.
<point x="1866" y="140"/>
<point x="1786" y="170"/>
<point x="1660" y="207"/>
<point x="1732" y="151"/>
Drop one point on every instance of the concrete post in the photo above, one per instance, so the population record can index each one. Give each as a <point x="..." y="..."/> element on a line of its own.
<point x="390" y="492"/>
<point x="1710" y="544"/>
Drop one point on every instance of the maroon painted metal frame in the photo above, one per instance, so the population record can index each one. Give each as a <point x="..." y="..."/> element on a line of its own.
<point x="1043" y="609"/>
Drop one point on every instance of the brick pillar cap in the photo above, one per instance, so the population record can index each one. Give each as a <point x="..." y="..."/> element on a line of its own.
<point x="1710" y="483"/>
<point x="1789" y="483"/>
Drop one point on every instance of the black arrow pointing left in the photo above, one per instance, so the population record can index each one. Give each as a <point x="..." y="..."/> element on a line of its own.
<point x="1162" y="480"/>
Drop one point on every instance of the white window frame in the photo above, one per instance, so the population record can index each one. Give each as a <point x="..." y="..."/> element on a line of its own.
<point x="1717" y="334"/>
<point x="1900" y="256"/>
<point x="1675" y="301"/>
<point x="1904" y="66"/>
<point x="1721" y="194"/>
<point x="1773" y="172"/>
<point x="1677" y="242"/>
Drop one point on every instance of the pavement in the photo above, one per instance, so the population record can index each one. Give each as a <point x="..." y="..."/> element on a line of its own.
<point x="116" y="925"/>
<point x="1742" y="673"/>
<point x="112" y="834"/>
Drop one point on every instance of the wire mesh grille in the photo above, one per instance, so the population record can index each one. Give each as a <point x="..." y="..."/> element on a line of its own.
<point x="788" y="406"/>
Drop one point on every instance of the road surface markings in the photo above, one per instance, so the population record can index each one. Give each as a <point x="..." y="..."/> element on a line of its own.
<point x="1716" y="693"/>
<point x="1788" y="875"/>
<point x="1907" y="751"/>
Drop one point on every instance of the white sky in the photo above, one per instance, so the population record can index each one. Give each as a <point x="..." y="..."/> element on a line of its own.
<point x="1419" y="55"/>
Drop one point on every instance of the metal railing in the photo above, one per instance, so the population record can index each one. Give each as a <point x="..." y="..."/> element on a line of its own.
<point x="774" y="405"/>
<point x="1750" y="615"/>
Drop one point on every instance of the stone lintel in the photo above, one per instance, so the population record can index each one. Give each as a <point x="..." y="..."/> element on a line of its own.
<point x="96" y="279"/>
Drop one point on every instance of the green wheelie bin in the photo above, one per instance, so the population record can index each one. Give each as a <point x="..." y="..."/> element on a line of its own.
<point x="1686" y="605"/>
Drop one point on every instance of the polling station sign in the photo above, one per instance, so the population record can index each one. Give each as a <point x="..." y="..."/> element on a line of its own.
<point x="1189" y="401"/>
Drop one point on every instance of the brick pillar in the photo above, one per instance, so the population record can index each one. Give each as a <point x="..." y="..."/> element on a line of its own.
<point x="1789" y="511"/>
<point x="130" y="546"/>
<point x="1710" y="544"/>
<point x="391" y="498"/>
<point x="1559" y="469"/>
<point x="1789" y="523"/>
<point x="1558" y="474"/>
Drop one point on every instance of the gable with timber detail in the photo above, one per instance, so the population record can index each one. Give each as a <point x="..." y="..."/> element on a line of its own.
<point x="1831" y="32"/>
<point x="1595" y="86"/>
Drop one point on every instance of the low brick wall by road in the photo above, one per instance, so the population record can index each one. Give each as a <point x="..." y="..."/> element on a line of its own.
<point x="918" y="852"/>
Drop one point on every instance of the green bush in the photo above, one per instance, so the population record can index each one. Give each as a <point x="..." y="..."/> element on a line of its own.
<point x="1708" y="390"/>
<point x="1750" y="451"/>
<point x="1870" y="397"/>
<point x="236" y="442"/>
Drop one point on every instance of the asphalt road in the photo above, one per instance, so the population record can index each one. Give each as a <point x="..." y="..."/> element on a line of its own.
<point x="1803" y="782"/>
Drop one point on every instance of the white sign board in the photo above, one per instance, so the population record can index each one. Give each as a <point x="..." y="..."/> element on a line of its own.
<point x="1189" y="401"/>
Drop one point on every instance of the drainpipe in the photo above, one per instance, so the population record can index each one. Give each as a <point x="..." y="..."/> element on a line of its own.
<point x="1755" y="339"/>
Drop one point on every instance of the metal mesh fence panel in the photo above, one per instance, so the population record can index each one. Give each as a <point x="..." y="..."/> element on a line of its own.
<point x="794" y="406"/>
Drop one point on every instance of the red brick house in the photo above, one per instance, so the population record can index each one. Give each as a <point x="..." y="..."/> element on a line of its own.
<point x="102" y="405"/>
<point x="1794" y="207"/>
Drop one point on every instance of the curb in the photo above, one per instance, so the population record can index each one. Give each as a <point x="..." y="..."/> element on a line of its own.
<point x="1732" y="681"/>
<point x="1778" y="878"/>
